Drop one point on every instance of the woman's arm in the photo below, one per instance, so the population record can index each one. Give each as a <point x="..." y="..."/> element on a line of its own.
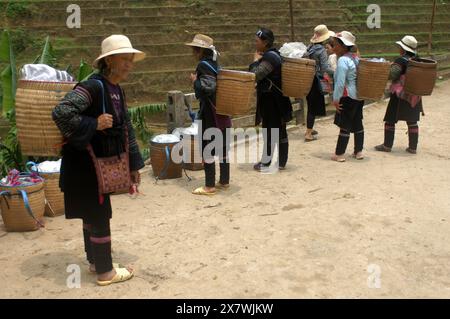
<point x="261" y="69"/>
<point x="75" y="127"/>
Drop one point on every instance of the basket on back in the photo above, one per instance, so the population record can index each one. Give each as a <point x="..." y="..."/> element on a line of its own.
<point x="37" y="133"/>
<point x="22" y="207"/>
<point x="372" y="79"/>
<point x="421" y="77"/>
<point x="297" y="76"/>
<point x="235" y="92"/>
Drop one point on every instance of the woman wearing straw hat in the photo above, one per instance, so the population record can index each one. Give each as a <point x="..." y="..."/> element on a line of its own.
<point x="95" y="113"/>
<point x="274" y="110"/>
<point x="349" y="110"/>
<point x="204" y="80"/>
<point x="316" y="100"/>
<point x="402" y="106"/>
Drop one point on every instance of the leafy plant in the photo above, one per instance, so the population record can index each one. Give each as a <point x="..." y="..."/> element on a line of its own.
<point x="138" y="119"/>
<point x="16" y="9"/>
<point x="85" y="71"/>
<point x="47" y="56"/>
<point x="8" y="75"/>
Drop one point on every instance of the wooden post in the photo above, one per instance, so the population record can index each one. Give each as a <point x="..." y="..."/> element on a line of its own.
<point x="291" y="7"/>
<point x="176" y="110"/>
<point x="430" y="38"/>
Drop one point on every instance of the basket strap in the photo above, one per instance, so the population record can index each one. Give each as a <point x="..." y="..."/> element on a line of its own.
<point x="5" y="195"/>
<point x="210" y="67"/>
<point x="28" y="207"/>
<point x="103" y="95"/>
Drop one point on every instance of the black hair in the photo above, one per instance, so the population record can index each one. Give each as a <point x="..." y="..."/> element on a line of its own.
<point x="349" y="47"/>
<point x="266" y="34"/>
<point x="207" y="53"/>
<point x="103" y="67"/>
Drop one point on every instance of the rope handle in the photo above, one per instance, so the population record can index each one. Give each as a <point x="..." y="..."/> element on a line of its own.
<point x="31" y="163"/>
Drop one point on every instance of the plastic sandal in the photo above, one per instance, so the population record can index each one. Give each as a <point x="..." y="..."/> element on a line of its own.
<point x="382" y="148"/>
<point x="122" y="274"/>
<point x="115" y="265"/>
<point x="222" y="186"/>
<point x="202" y="191"/>
<point x="359" y="156"/>
<point x="338" y="158"/>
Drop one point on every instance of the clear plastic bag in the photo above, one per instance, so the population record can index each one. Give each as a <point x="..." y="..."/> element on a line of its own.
<point x="43" y="72"/>
<point x="293" y="50"/>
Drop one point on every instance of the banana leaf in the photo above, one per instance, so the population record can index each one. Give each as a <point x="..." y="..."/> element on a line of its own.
<point x="47" y="56"/>
<point x="85" y="71"/>
<point x="8" y="75"/>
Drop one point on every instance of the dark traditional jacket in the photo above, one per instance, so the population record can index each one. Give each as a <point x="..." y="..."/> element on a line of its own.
<point x="318" y="53"/>
<point x="76" y="117"/>
<point x="205" y="91"/>
<point x="268" y="78"/>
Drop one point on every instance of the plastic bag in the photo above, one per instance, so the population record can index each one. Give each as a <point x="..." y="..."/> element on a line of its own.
<point x="43" y="72"/>
<point x="293" y="50"/>
<point x="191" y="130"/>
<point x="165" y="138"/>
<point x="47" y="167"/>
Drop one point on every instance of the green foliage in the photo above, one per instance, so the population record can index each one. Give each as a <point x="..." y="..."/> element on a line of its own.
<point x="10" y="154"/>
<point x="8" y="75"/>
<point x="18" y="9"/>
<point x="138" y="118"/>
<point x="85" y="71"/>
<point x="47" y="56"/>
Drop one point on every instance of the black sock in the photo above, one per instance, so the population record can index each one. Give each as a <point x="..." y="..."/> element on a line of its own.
<point x="359" y="141"/>
<point x="342" y="142"/>
<point x="389" y="134"/>
<point x="413" y="135"/>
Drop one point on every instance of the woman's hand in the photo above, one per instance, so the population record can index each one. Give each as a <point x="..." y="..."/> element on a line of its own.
<point x="193" y="77"/>
<point x="338" y="107"/>
<point x="135" y="177"/>
<point x="257" y="56"/>
<point x="104" y="122"/>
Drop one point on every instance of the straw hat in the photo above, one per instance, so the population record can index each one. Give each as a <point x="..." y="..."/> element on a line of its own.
<point x="408" y="43"/>
<point x="347" y="38"/>
<point x="202" y="41"/>
<point x="321" y="33"/>
<point x="119" y="44"/>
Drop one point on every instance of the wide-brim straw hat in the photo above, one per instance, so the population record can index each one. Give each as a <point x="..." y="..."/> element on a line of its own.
<point x="202" y="41"/>
<point x="119" y="44"/>
<point x="347" y="38"/>
<point x="408" y="43"/>
<point x="321" y="34"/>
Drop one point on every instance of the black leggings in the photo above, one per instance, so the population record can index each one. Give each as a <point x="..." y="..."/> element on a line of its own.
<point x="343" y="139"/>
<point x="310" y="120"/>
<point x="270" y="142"/>
<point x="97" y="244"/>
<point x="413" y="134"/>
<point x="224" y="163"/>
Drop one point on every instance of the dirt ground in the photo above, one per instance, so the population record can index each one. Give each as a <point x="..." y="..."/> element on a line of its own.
<point x="318" y="229"/>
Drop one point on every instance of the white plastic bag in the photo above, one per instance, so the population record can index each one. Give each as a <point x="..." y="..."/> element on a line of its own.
<point x="191" y="130"/>
<point x="293" y="50"/>
<point x="47" y="167"/>
<point x="165" y="138"/>
<point x="43" y="72"/>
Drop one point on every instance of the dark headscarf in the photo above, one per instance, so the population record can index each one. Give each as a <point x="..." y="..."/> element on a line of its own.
<point x="266" y="35"/>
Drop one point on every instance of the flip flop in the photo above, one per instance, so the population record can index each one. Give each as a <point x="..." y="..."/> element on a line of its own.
<point x="202" y="191"/>
<point x="382" y="148"/>
<point x="122" y="274"/>
<point x="338" y="159"/>
<point x="310" y="139"/>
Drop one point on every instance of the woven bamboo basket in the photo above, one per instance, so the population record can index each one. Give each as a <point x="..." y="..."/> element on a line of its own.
<point x="192" y="160"/>
<point x="297" y="76"/>
<point x="14" y="213"/>
<point x="159" y="160"/>
<point x="53" y="195"/>
<point x="421" y="77"/>
<point x="37" y="133"/>
<point x="235" y="93"/>
<point x="372" y="79"/>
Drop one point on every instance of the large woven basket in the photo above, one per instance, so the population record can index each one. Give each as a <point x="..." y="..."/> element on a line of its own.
<point x="37" y="132"/>
<point x="192" y="160"/>
<point x="14" y="213"/>
<point x="162" y="164"/>
<point x="297" y="76"/>
<point x="235" y="93"/>
<point x="53" y="195"/>
<point x="421" y="77"/>
<point x="372" y="79"/>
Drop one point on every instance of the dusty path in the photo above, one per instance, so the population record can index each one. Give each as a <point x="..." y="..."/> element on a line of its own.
<point x="310" y="231"/>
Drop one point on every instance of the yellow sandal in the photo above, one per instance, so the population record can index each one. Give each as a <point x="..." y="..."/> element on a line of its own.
<point x="202" y="191"/>
<point x="122" y="274"/>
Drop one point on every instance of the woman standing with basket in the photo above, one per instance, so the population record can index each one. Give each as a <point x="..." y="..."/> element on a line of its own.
<point x="316" y="99"/>
<point x="94" y="122"/>
<point x="274" y="110"/>
<point x="349" y="110"/>
<point x="402" y="106"/>
<point x="205" y="82"/>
